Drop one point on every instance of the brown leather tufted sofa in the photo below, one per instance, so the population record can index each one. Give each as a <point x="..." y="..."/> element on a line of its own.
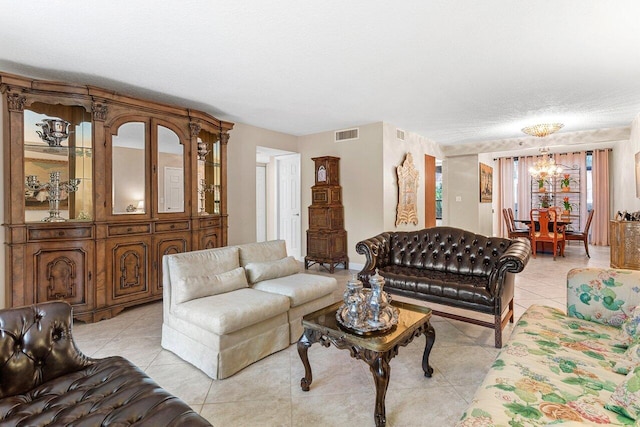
<point x="449" y="266"/>
<point x="46" y="381"/>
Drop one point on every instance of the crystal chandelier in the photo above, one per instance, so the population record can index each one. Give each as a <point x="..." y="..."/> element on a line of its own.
<point x="545" y="167"/>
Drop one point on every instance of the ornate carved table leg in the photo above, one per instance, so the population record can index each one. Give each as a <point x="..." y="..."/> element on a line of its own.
<point x="431" y="338"/>
<point x="305" y="341"/>
<point x="381" y="371"/>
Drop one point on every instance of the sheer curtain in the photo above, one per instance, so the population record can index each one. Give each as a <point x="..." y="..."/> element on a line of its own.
<point x="524" y="186"/>
<point x="505" y="190"/>
<point x="600" y="186"/>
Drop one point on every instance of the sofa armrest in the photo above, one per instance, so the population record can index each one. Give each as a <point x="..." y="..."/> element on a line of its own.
<point x="513" y="260"/>
<point x="376" y="250"/>
<point x="602" y="295"/>
<point x="36" y="346"/>
<point x="516" y="257"/>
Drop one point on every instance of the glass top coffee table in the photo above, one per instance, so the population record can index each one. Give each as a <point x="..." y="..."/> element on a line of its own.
<point x="376" y="350"/>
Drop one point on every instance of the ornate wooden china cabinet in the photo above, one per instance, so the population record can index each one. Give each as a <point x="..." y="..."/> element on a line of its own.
<point x="98" y="187"/>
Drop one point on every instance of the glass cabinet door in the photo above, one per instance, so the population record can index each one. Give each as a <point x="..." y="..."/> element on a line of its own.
<point x="128" y="169"/>
<point x="170" y="171"/>
<point x="58" y="163"/>
<point x="209" y="173"/>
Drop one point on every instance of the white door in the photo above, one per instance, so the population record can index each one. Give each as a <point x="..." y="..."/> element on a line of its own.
<point x="173" y="190"/>
<point x="289" y="203"/>
<point x="261" y="203"/>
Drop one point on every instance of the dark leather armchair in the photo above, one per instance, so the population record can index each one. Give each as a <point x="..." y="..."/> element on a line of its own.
<point x="45" y="380"/>
<point x="449" y="266"/>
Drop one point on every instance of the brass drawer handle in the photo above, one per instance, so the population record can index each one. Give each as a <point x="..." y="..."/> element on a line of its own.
<point x="60" y="233"/>
<point x="129" y="229"/>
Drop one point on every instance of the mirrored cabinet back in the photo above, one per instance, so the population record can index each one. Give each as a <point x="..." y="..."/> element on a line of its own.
<point x="98" y="187"/>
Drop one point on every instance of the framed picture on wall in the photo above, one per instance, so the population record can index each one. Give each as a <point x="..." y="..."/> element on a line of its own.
<point x="638" y="174"/>
<point x="486" y="183"/>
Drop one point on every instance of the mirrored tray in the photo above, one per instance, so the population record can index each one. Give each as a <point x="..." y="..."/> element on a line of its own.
<point x="388" y="319"/>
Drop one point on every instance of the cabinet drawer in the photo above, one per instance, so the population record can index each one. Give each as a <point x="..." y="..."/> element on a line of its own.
<point x="172" y="226"/>
<point x="36" y="234"/>
<point x="123" y="230"/>
<point x="209" y="222"/>
<point x="326" y="195"/>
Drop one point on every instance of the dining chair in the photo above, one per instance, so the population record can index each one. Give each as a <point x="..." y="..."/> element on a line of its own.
<point x="512" y="231"/>
<point x="581" y="235"/>
<point x="549" y="231"/>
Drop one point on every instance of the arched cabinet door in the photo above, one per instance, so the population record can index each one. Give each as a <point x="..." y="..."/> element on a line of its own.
<point x="170" y="169"/>
<point x="128" y="151"/>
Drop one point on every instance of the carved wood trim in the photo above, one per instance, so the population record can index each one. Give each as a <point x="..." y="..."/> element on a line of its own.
<point x="16" y="102"/>
<point x="195" y="128"/>
<point x="224" y="138"/>
<point x="407" y="211"/>
<point x="99" y="111"/>
<point x="61" y="273"/>
<point x="129" y="270"/>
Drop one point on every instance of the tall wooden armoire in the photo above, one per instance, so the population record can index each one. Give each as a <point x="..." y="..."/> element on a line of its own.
<point x="326" y="236"/>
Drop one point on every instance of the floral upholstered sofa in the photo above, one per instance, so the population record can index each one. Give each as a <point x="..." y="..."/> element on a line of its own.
<point x="580" y="368"/>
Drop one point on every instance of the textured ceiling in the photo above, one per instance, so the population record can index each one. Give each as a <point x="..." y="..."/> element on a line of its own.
<point x="456" y="72"/>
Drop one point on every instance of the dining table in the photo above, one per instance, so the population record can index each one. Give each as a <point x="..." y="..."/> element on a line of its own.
<point x="527" y="222"/>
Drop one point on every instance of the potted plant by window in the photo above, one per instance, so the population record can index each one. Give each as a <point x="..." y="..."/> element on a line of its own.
<point x="541" y="188"/>
<point x="545" y="201"/>
<point x="568" y="206"/>
<point x="565" y="182"/>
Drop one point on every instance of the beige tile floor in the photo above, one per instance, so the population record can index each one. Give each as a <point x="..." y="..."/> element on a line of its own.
<point x="268" y="393"/>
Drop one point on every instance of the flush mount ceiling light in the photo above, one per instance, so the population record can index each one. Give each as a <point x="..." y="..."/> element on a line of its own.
<point x="542" y="129"/>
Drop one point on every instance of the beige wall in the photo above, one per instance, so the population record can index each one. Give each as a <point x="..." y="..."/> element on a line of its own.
<point x="241" y="176"/>
<point x="622" y="170"/>
<point x="360" y="178"/>
<point x="460" y="188"/>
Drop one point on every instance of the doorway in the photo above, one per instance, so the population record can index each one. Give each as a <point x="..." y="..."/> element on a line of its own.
<point x="261" y="202"/>
<point x="278" y="191"/>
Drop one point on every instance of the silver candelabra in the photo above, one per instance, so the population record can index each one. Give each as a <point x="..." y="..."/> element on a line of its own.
<point x="54" y="188"/>
<point x="203" y="189"/>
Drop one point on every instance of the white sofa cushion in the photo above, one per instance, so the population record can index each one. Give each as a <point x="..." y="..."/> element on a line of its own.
<point x="272" y="250"/>
<point x="205" y="273"/>
<point x="259" y="271"/>
<point x="193" y="287"/>
<point x="299" y="288"/>
<point x="231" y="311"/>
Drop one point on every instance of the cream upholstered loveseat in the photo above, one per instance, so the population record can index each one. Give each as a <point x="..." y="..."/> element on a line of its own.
<point x="226" y="308"/>
<point x="576" y="369"/>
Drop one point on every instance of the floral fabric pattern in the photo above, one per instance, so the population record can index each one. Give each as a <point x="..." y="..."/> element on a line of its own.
<point x="570" y="368"/>
<point x="554" y="370"/>
<point x="606" y="296"/>
<point x="625" y="399"/>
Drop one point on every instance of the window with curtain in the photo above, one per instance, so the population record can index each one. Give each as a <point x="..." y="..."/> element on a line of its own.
<point x="515" y="188"/>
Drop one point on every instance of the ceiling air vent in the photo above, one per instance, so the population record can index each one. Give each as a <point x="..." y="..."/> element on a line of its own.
<point x="400" y="134"/>
<point x="347" y="134"/>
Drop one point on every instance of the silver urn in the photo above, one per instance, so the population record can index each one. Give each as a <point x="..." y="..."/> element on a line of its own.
<point x="354" y="301"/>
<point x="54" y="131"/>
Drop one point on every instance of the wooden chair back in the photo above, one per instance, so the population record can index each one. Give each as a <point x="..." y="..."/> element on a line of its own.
<point x="548" y="230"/>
